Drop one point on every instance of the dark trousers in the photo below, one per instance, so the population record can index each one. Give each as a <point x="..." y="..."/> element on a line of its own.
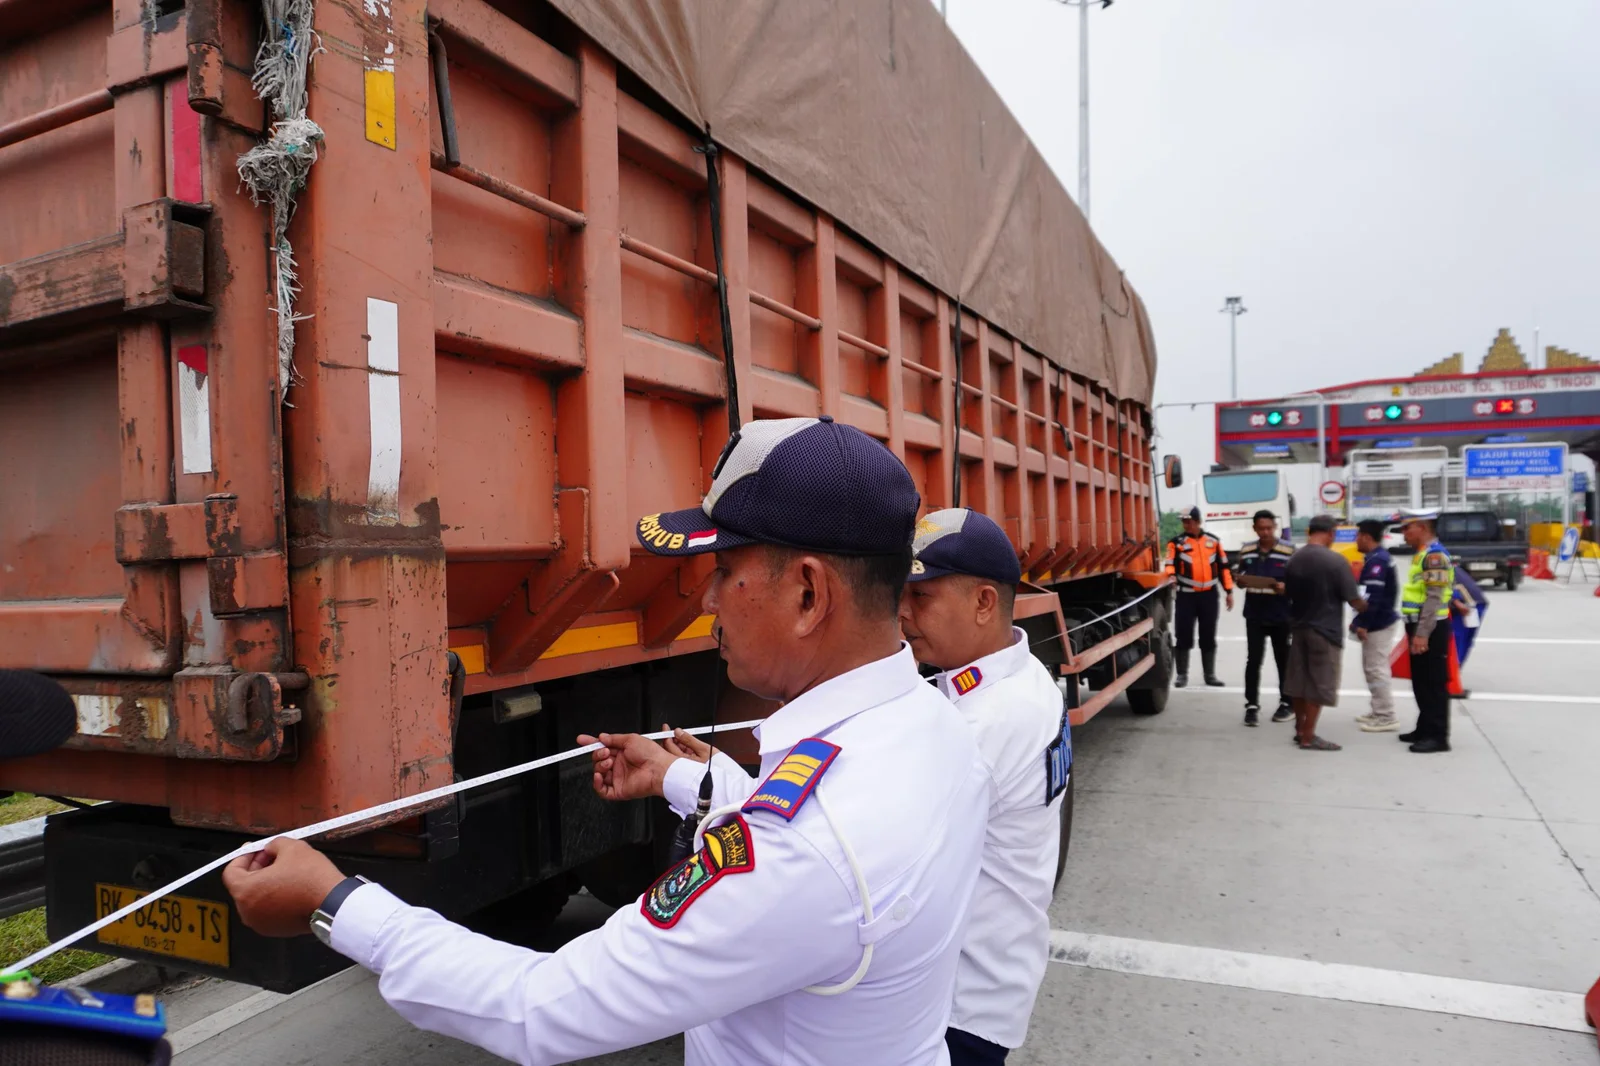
<point x="1430" y="682"/>
<point x="1256" y="636"/>
<point x="1197" y="607"/>
<point x="969" y="1050"/>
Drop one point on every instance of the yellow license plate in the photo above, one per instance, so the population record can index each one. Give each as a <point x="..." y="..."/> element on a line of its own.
<point x="179" y="926"/>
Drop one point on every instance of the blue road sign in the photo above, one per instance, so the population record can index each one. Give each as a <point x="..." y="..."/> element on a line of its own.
<point x="1580" y="481"/>
<point x="1569" y="544"/>
<point x="1492" y="468"/>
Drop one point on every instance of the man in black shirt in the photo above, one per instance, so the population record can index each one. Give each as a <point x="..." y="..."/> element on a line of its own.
<point x="1319" y="582"/>
<point x="1266" y="613"/>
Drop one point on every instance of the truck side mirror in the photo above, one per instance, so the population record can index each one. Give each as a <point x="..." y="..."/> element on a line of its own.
<point x="1292" y="509"/>
<point x="1171" y="471"/>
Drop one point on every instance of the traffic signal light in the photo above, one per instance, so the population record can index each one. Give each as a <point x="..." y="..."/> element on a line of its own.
<point x="1274" y="418"/>
<point x="1393" y="412"/>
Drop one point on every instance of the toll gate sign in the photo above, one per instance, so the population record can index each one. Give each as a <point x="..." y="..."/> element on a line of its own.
<point x="1515" y="467"/>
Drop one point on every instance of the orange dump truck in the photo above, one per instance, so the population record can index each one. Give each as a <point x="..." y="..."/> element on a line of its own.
<point x="340" y="351"/>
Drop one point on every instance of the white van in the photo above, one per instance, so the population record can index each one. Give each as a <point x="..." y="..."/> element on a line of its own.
<point x="1228" y="499"/>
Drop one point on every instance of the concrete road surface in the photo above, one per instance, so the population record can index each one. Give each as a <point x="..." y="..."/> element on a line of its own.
<point x="1232" y="899"/>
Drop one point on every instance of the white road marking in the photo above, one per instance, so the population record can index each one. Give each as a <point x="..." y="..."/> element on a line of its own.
<point x="1499" y="640"/>
<point x="231" y="1017"/>
<point x="1322" y="980"/>
<point x="1405" y="693"/>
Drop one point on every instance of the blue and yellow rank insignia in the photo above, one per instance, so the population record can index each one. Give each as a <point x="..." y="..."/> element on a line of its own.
<point x="723" y="850"/>
<point x="967" y="680"/>
<point x="788" y="787"/>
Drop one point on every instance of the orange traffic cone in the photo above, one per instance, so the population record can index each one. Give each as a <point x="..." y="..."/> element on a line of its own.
<point x="1539" y="566"/>
<point x="1400" y="664"/>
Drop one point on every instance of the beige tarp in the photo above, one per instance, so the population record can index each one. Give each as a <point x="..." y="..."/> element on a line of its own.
<point x="873" y="111"/>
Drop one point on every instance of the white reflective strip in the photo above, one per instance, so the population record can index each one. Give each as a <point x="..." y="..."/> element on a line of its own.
<point x="383" y="398"/>
<point x="101" y="716"/>
<point x="1322" y="980"/>
<point x="331" y="824"/>
<point x="194" y="409"/>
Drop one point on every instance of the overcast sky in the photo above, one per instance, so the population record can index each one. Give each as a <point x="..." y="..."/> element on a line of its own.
<point x="1383" y="183"/>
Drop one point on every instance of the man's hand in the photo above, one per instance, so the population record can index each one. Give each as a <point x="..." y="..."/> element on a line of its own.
<point x="1229" y="599"/>
<point x="1361" y="634"/>
<point x="627" y="766"/>
<point x="1419" y="644"/>
<point x="277" y="888"/>
<point x="686" y="746"/>
<point x="1279" y="587"/>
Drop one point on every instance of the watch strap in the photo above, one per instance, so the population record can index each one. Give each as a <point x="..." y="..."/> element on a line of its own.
<point x="341" y="891"/>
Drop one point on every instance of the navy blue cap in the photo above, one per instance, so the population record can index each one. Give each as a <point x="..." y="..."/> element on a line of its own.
<point x="959" y="540"/>
<point x="807" y="483"/>
<point x="1194" y="513"/>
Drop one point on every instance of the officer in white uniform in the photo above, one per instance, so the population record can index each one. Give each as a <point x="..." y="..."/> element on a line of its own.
<point x="957" y="615"/>
<point x="821" y="918"/>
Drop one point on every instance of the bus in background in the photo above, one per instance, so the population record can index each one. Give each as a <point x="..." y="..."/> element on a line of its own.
<point x="1228" y="499"/>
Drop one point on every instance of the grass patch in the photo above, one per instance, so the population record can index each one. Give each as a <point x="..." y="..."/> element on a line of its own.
<point x="23" y="934"/>
<point x="21" y="806"/>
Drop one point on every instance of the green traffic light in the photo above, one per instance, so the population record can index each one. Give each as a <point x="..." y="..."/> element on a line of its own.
<point x="1275" y="418"/>
<point x="1392" y="411"/>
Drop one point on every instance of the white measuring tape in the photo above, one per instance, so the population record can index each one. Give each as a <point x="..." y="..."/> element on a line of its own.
<point x="331" y="824"/>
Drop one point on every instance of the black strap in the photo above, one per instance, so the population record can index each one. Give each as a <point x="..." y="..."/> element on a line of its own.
<point x="341" y="891"/>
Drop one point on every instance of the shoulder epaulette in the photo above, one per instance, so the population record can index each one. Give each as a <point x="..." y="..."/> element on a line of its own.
<point x="788" y="787"/>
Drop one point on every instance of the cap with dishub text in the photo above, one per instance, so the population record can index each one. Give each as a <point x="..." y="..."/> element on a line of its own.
<point x="959" y="540"/>
<point x="807" y="483"/>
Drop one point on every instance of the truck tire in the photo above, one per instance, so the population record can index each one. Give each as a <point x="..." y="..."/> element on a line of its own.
<point x="1153" y="700"/>
<point x="1066" y="830"/>
<point x="1513" y="579"/>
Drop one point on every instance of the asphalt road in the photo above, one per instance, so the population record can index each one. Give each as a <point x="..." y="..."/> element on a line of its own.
<point x="1231" y="899"/>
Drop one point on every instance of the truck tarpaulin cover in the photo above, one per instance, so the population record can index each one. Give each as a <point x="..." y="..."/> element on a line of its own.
<point x="873" y="111"/>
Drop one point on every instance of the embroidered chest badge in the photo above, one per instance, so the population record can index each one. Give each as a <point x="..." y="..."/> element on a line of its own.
<point x="723" y="850"/>
<point x="967" y="680"/>
<point x="788" y="787"/>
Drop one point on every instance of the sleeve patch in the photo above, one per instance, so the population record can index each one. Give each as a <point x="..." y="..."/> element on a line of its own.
<point x="723" y="850"/>
<point x="788" y="787"/>
<point x="967" y="680"/>
<point x="1058" y="761"/>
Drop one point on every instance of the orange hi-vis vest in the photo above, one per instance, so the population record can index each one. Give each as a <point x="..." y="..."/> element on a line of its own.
<point x="1198" y="563"/>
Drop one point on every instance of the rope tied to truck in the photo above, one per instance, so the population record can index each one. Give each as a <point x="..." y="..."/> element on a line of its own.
<point x="714" y="204"/>
<point x="275" y="170"/>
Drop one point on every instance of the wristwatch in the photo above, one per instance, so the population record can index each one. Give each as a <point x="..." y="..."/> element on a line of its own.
<point x="322" y="917"/>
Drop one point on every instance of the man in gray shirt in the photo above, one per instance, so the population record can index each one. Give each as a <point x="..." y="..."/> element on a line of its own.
<point x="1319" y="582"/>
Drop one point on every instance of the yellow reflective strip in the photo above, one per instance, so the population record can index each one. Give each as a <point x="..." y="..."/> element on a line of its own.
<point x="472" y="658"/>
<point x="593" y="638"/>
<point x="700" y="627"/>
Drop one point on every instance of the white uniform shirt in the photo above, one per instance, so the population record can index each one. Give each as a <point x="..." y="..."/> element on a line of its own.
<point x="907" y="791"/>
<point x="1015" y="710"/>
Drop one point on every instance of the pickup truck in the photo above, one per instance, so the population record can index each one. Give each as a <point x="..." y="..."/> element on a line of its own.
<point x="1486" y="546"/>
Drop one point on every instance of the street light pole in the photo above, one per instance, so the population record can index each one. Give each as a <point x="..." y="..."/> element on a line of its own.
<point x="1233" y="307"/>
<point x="1083" y="98"/>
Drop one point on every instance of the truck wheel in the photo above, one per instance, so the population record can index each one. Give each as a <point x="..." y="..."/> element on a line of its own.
<point x="1154" y="700"/>
<point x="1513" y="579"/>
<point x="1066" y="829"/>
